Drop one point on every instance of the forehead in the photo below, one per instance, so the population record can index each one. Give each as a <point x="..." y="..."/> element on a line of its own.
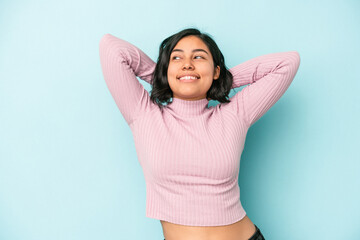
<point x="191" y="42"/>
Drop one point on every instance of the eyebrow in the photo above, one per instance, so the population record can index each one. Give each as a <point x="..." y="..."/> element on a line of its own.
<point x="195" y="50"/>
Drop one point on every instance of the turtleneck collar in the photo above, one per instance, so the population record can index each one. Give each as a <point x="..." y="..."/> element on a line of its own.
<point x="188" y="107"/>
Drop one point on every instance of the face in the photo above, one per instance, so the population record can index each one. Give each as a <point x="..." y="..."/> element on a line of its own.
<point x="191" y="57"/>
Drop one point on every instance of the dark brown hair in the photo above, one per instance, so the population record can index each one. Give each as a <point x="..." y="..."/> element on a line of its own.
<point x="161" y="91"/>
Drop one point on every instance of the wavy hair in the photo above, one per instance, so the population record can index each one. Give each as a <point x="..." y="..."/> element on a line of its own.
<point x="161" y="91"/>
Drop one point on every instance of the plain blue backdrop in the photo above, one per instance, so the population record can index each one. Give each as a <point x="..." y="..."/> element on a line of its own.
<point x="68" y="165"/>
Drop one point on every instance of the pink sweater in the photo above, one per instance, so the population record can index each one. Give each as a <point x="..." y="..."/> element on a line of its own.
<point x="189" y="152"/>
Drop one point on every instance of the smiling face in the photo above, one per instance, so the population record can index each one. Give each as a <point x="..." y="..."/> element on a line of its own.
<point x="191" y="57"/>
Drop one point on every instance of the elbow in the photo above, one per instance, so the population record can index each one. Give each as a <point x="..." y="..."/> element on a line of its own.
<point x="102" y="42"/>
<point x="292" y="60"/>
<point x="104" y="39"/>
<point x="295" y="57"/>
<point x="106" y="45"/>
<point x="289" y="64"/>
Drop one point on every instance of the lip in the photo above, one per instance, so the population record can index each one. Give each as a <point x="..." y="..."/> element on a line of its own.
<point x="188" y="80"/>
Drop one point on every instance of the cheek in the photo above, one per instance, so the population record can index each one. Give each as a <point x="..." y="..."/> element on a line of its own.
<point x="209" y="74"/>
<point x="207" y="68"/>
<point x="170" y="71"/>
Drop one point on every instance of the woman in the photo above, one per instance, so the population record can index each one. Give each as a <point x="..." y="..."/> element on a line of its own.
<point x="189" y="152"/>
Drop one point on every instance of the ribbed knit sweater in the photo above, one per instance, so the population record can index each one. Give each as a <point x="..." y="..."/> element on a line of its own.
<point x="189" y="152"/>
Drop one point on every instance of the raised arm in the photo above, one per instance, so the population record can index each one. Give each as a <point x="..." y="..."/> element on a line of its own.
<point x="269" y="77"/>
<point x="121" y="63"/>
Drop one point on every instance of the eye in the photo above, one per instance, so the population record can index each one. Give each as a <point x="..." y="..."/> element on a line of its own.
<point x="174" y="57"/>
<point x="198" y="56"/>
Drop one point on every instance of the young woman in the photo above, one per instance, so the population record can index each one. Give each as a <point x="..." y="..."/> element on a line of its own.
<point x="189" y="152"/>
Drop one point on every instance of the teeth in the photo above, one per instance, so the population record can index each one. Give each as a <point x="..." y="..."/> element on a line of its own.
<point x="187" y="77"/>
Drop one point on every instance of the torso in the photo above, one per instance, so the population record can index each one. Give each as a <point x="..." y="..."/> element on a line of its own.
<point x="241" y="230"/>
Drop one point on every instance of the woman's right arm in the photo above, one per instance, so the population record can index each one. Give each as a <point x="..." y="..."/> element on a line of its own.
<point x="121" y="63"/>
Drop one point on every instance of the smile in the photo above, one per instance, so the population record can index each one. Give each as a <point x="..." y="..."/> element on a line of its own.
<point x="188" y="79"/>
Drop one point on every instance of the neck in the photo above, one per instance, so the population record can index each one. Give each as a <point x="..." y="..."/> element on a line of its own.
<point x="188" y="107"/>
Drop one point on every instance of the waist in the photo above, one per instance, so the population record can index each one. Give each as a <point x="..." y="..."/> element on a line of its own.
<point x="241" y="230"/>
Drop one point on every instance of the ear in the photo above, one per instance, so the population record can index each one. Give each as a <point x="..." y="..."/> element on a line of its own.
<point x="217" y="72"/>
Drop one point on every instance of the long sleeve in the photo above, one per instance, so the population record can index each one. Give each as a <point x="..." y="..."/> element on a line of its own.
<point x="121" y="63"/>
<point x="269" y="77"/>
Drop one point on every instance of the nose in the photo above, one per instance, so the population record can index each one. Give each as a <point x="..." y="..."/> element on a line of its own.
<point x="188" y="65"/>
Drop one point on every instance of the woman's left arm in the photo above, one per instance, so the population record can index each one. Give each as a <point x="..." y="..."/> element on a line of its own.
<point x="269" y="77"/>
<point x="252" y="70"/>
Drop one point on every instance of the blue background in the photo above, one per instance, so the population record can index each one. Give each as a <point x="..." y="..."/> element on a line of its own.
<point x="68" y="165"/>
